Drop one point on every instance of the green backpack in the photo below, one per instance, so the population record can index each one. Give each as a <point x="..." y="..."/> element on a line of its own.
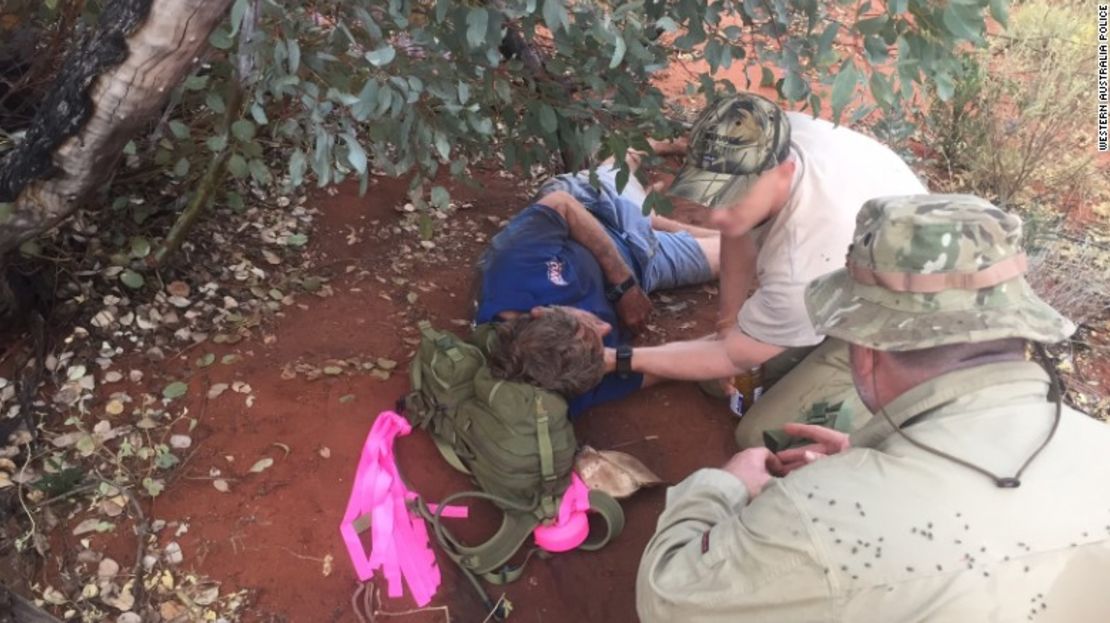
<point x="513" y="439"/>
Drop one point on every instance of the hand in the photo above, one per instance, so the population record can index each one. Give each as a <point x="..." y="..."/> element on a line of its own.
<point x="610" y="360"/>
<point x="826" y="441"/>
<point x="754" y="468"/>
<point x="634" y="308"/>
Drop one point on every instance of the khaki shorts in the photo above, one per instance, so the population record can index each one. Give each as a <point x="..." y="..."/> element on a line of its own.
<point x="823" y="375"/>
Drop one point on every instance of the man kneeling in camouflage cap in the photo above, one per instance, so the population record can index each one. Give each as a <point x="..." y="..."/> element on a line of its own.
<point x="784" y="189"/>
<point x="972" y="495"/>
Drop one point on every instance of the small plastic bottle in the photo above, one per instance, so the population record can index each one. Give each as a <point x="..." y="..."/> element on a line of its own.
<point x="749" y="388"/>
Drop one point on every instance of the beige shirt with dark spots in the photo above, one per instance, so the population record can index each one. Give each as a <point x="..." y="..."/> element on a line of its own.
<point x="888" y="532"/>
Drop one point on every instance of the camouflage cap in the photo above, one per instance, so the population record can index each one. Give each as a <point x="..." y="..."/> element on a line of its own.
<point x="734" y="140"/>
<point x="930" y="270"/>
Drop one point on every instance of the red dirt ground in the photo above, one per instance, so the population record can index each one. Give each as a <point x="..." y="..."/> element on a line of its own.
<point x="272" y="530"/>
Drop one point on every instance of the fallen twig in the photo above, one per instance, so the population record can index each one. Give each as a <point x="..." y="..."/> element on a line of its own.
<point x="365" y="603"/>
<point x="634" y="442"/>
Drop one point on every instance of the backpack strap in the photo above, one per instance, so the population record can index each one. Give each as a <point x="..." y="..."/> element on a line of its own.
<point x="449" y="454"/>
<point x="547" y="459"/>
<point x="517" y="523"/>
<point x="610" y="510"/>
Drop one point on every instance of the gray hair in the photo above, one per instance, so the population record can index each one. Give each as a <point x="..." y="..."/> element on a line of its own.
<point x="548" y="351"/>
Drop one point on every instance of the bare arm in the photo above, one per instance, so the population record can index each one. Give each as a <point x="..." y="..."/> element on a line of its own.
<point x="738" y="262"/>
<point x="633" y="308"/>
<point x="701" y="360"/>
<point x="588" y="232"/>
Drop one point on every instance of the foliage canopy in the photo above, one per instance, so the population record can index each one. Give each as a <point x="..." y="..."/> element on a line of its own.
<point x="341" y="88"/>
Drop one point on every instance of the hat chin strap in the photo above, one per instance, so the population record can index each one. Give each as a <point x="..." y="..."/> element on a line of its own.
<point x="1002" y="482"/>
<point x="931" y="283"/>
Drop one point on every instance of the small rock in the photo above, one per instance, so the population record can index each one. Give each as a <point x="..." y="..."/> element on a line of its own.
<point x="129" y="617"/>
<point x="135" y="376"/>
<point x="180" y="442"/>
<point x="154" y="353"/>
<point x="112" y="376"/>
<point x="149" y="561"/>
<point x="180" y="302"/>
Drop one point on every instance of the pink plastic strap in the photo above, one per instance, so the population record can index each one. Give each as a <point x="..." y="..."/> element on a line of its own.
<point x="571" y="525"/>
<point x="399" y="538"/>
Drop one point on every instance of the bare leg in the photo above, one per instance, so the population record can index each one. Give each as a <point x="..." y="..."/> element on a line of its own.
<point x="662" y="223"/>
<point x="711" y="247"/>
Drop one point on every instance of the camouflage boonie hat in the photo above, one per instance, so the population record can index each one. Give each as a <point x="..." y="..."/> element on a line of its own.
<point x="930" y="270"/>
<point x="733" y="141"/>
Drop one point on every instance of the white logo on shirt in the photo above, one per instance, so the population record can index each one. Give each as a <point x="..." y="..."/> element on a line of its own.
<point x="555" y="273"/>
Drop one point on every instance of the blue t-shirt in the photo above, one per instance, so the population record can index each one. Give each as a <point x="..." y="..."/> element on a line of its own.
<point x="534" y="262"/>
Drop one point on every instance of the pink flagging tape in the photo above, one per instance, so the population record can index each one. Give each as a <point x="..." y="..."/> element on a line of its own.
<point x="399" y="538"/>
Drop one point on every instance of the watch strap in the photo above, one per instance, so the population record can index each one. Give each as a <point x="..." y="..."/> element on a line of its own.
<point x="614" y="293"/>
<point x="624" y="360"/>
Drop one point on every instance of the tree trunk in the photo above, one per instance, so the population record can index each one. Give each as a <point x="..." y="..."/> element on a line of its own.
<point x="111" y="84"/>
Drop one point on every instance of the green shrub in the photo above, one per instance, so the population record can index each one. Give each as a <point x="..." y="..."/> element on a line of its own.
<point x="1011" y="127"/>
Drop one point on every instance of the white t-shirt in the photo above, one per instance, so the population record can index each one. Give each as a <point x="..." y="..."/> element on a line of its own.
<point x="838" y="170"/>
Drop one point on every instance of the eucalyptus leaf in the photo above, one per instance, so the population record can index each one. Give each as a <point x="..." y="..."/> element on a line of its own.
<point x="297" y="167"/>
<point x="132" y="279"/>
<point x="179" y="129"/>
<point x="794" y="86"/>
<point x="381" y="56"/>
<point x="619" y="50"/>
<point x="843" y="89"/>
<point x="174" y="390"/>
<point x="181" y="168"/>
<point x="215" y="101"/>
<point x="243" y="130"/>
<point x="220" y="39"/>
<point x="477" y="21"/>
<point x="548" y="120"/>
<point x="356" y="155"/>
<point x="140" y="247"/>
<point x="216" y="143"/>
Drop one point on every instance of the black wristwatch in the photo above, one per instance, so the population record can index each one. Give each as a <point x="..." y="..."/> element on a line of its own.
<point x="624" y="360"/>
<point x="614" y="293"/>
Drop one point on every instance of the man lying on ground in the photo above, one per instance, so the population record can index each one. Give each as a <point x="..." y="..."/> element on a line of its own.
<point x="972" y="495"/>
<point x="570" y="274"/>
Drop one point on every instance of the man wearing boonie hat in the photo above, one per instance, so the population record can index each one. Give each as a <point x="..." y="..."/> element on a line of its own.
<point x="972" y="495"/>
<point x="800" y="181"/>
